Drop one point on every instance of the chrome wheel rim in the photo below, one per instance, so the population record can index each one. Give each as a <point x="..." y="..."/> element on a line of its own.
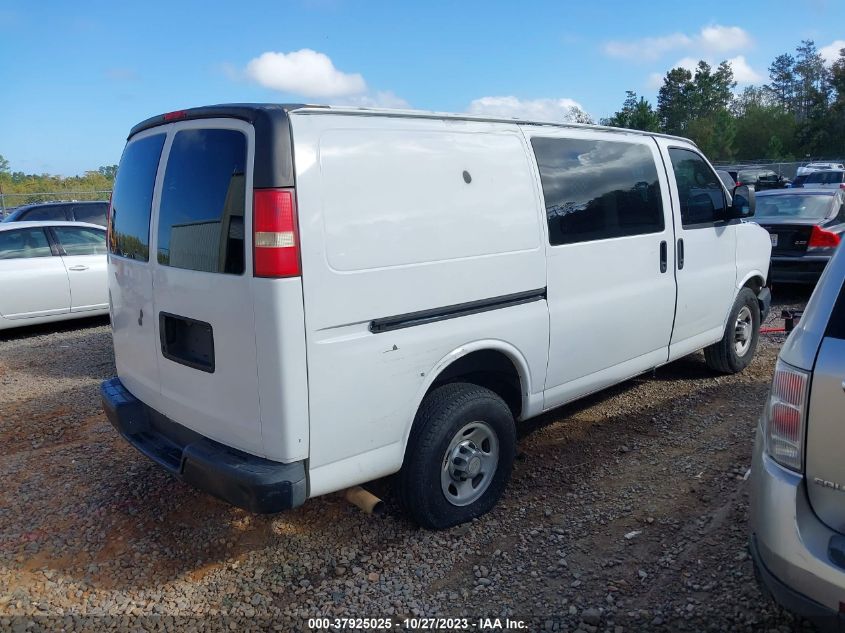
<point x="469" y="463"/>
<point x="743" y="331"/>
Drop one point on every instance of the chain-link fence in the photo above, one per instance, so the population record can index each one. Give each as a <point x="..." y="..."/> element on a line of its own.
<point x="9" y="201"/>
<point x="786" y="169"/>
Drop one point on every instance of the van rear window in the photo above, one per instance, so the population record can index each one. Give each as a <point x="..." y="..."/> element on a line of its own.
<point x="201" y="216"/>
<point x="597" y="190"/>
<point x="133" y="198"/>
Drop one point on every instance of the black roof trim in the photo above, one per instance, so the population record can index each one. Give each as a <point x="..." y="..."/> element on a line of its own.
<point x="248" y="112"/>
<point x="273" y="146"/>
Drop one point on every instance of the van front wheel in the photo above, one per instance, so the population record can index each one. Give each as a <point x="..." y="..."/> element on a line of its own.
<point x="736" y="349"/>
<point x="459" y="456"/>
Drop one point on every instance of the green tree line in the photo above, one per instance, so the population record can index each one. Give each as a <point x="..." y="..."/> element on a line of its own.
<point x="18" y="188"/>
<point x="799" y="113"/>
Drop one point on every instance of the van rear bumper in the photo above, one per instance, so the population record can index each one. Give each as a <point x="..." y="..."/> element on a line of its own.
<point x="247" y="481"/>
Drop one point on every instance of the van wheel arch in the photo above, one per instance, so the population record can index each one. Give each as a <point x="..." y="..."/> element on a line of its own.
<point x="489" y="368"/>
<point x="755" y="282"/>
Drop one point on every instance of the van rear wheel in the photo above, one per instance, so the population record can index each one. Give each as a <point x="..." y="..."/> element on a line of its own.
<point x="459" y="456"/>
<point x="736" y="349"/>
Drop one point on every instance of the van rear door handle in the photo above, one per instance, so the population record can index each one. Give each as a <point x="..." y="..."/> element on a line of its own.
<point x="78" y="267"/>
<point x="680" y="253"/>
<point x="664" y="257"/>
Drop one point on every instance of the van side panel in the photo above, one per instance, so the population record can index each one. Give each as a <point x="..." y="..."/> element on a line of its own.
<point x="282" y="376"/>
<point x="398" y="216"/>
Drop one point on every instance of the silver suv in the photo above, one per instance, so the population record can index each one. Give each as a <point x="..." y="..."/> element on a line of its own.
<point x="798" y="493"/>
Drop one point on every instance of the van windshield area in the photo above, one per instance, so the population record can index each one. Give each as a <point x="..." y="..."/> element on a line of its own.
<point x="809" y="207"/>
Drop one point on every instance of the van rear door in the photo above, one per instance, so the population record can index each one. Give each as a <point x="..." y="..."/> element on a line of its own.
<point x="204" y="320"/>
<point x="199" y="336"/>
<point x="129" y="269"/>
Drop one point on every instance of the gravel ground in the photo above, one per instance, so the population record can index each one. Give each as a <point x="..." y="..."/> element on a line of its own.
<point x="627" y="511"/>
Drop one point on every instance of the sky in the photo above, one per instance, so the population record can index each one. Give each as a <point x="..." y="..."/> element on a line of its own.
<point x="78" y="75"/>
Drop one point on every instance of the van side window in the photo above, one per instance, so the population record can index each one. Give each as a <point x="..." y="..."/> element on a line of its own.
<point x="133" y="198"/>
<point x="702" y="198"/>
<point x="201" y="217"/>
<point x="597" y="190"/>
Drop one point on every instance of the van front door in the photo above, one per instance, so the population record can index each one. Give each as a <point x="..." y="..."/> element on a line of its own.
<point x="706" y="250"/>
<point x="611" y="291"/>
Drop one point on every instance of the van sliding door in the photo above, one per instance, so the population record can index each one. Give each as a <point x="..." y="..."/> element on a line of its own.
<point x="611" y="290"/>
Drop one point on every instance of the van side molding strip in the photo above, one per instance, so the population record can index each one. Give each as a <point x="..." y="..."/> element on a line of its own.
<point x="422" y="317"/>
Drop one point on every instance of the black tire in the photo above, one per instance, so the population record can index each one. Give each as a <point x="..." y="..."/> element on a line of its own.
<point x="442" y="414"/>
<point x="723" y="356"/>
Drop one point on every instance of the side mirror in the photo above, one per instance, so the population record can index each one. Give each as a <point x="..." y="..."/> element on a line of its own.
<point x="744" y="203"/>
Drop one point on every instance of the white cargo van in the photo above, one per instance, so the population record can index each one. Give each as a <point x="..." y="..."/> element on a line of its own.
<point x="308" y="298"/>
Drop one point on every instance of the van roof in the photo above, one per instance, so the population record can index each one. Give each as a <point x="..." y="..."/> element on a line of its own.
<point x="263" y="113"/>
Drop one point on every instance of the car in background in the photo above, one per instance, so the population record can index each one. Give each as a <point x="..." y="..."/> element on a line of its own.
<point x="93" y="212"/>
<point x="809" y="168"/>
<point x="798" y="181"/>
<point x="51" y="271"/>
<point x="761" y="179"/>
<point x="797" y="538"/>
<point x="805" y="226"/>
<point x="832" y="178"/>
<point x="727" y="179"/>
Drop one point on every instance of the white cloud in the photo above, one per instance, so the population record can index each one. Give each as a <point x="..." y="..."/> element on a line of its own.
<point x="831" y="51"/>
<point x="690" y="63"/>
<point x="743" y="72"/>
<point x="533" y="109"/>
<point x="304" y="72"/>
<point x="649" y="48"/>
<point x="722" y="39"/>
<point x="713" y="39"/>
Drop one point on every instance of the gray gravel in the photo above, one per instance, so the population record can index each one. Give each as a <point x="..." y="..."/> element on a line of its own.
<point x="627" y="512"/>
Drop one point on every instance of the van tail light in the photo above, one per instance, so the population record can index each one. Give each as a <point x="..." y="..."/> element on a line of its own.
<point x="275" y="241"/>
<point x="785" y="416"/>
<point x="820" y="238"/>
<point x="842" y="185"/>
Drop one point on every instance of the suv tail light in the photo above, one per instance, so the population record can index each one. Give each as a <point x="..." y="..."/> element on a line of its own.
<point x="785" y="417"/>
<point x="820" y="238"/>
<point x="274" y="236"/>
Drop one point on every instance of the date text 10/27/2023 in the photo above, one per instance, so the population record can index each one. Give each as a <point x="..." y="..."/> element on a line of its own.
<point x="418" y="624"/>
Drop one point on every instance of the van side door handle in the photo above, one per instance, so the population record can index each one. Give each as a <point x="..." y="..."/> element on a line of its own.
<point x="680" y="253"/>
<point x="78" y="267"/>
<point x="664" y="257"/>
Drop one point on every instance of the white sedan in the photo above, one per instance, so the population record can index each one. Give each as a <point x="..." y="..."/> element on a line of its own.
<point x="50" y="271"/>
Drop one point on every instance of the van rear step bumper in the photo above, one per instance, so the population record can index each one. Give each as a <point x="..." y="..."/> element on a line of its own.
<point x="247" y="481"/>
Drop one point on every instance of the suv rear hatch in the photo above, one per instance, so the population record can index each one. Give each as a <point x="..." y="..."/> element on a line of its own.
<point x="826" y="424"/>
<point x="197" y="336"/>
